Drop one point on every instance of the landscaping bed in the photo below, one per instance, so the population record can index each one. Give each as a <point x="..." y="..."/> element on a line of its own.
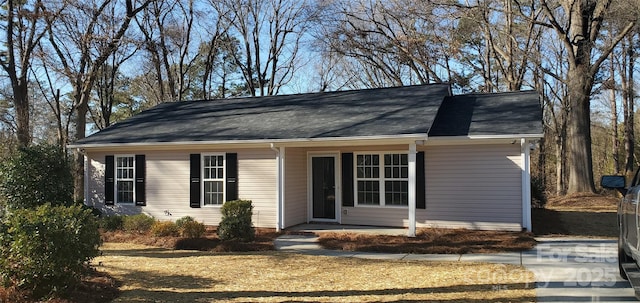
<point x="431" y="241"/>
<point x="208" y="242"/>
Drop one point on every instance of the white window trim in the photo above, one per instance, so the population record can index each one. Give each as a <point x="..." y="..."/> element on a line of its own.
<point x="224" y="179"/>
<point x="381" y="179"/>
<point x="116" y="179"/>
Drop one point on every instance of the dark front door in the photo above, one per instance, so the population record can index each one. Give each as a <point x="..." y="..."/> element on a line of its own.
<point x="324" y="187"/>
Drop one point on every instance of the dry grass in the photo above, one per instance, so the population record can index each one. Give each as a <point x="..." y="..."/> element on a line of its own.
<point x="583" y="215"/>
<point x="584" y="202"/>
<point x="432" y="241"/>
<point x="150" y="274"/>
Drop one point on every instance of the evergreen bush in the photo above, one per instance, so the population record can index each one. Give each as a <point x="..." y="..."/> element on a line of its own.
<point x="236" y="221"/>
<point x="180" y="222"/>
<point x="34" y="176"/>
<point x="165" y="229"/>
<point x="192" y="229"/>
<point x="139" y="223"/>
<point x="46" y="250"/>
<point x="112" y="223"/>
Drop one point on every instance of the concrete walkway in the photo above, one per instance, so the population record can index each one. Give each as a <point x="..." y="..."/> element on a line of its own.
<point x="566" y="269"/>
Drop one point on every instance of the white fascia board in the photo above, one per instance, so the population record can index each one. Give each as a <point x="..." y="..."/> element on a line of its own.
<point x="481" y="139"/>
<point x="333" y="141"/>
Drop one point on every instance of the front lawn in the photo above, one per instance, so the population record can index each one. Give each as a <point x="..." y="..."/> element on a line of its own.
<point x="152" y="274"/>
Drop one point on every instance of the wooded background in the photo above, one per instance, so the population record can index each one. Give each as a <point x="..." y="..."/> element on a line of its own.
<point x="70" y="67"/>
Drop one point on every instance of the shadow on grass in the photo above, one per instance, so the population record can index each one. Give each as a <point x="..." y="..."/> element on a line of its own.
<point x="150" y="279"/>
<point x="354" y="295"/>
<point x="574" y="223"/>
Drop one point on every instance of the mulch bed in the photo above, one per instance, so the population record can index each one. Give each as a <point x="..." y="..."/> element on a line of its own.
<point x="210" y="242"/>
<point x="432" y="241"/>
<point x="95" y="287"/>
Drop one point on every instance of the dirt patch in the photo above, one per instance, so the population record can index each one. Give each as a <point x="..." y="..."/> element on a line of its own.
<point x="432" y="241"/>
<point x="581" y="215"/>
<point x="150" y="274"/>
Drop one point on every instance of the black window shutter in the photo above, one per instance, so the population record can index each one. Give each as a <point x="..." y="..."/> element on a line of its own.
<point x="141" y="173"/>
<point x="194" y="187"/>
<point x="232" y="176"/>
<point x="347" y="179"/>
<point x="421" y="201"/>
<point x="109" y="182"/>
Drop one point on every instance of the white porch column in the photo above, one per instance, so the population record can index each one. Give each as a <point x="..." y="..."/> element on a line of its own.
<point x="279" y="186"/>
<point x="412" y="190"/>
<point x="282" y="186"/>
<point x="526" y="183"/>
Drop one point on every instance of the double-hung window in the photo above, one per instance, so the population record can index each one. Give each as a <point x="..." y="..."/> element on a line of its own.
<point x="382" y="179"/>
<point x="125" y="179"/>
<point x="213" y="179"/>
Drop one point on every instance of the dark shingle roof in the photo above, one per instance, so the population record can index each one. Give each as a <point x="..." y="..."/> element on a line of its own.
<point x="512" y="113"/>
<point x="358" y="113"/>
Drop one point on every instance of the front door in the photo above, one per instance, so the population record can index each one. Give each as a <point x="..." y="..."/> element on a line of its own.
<point x="324" y="188"/>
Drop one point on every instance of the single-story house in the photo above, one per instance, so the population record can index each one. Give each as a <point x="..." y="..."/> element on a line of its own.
<point x="413" y="156"/>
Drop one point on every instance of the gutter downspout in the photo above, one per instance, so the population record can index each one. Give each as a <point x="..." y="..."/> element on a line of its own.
<point x="86" y="177"/>
<point x="280" y="186"/>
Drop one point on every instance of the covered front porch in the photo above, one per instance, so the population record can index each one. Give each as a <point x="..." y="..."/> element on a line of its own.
<point x="364" y="183"/>
<point x="390" y="182"/>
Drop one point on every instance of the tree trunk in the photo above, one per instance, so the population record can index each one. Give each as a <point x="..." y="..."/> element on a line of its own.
<point x="560" y="165"/>
<point x="78" y="155"/>
<point x="21" y="102"/>
<point x="628" y="100"/>
<point x="579" y="126"/>
<point x="614" y="120"/>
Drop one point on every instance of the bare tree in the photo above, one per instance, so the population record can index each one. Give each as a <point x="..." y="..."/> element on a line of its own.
<point x="82" y="40"/>
<point x="579" y="24"/>
<point x="270" y="34"/>
<point x="500" y="36"/>
<point x="170" y="40"/>
<point x="62" y="111"/>
<point x="24" y="24"/>
<point x="393" y="42"/>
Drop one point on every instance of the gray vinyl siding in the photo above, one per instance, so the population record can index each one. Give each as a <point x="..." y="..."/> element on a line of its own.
<point x="167" y="186"/>
<point x="475" y="186"/>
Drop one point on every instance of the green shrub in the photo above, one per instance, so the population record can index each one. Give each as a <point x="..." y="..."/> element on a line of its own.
<point x="111" y="223"/>
<point x="180" y="222"/>
<point x="236" y="221"/>
<point x="95" y="211"/>
<point x="140" y="223"/>
<point x="165" y="229"/>
<point x="34" y="176"/>
<point x="192" y="229"/>
<point x="46" y="250"/>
